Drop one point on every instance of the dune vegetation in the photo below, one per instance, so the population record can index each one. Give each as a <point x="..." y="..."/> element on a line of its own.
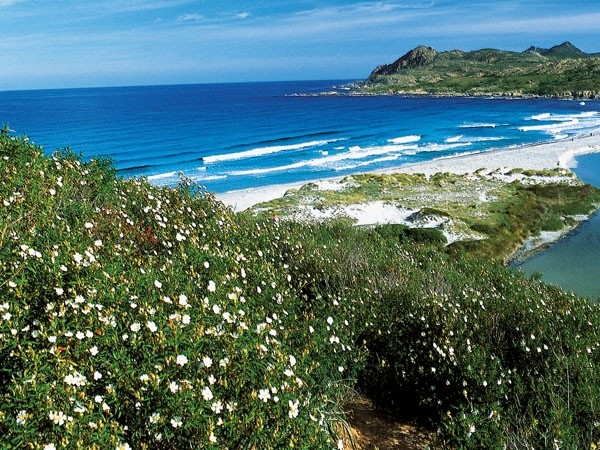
<point x="142" y="317"/>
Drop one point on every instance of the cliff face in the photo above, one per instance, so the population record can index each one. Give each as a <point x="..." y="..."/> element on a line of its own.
<point x="559" y="71"/>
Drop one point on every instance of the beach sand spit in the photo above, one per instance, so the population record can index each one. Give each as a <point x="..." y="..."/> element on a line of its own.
<point x="537" y="157"/>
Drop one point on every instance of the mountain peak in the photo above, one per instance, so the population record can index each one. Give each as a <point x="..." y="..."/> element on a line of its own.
<point x="564" y="50"/>
<point x="417" y="57"/>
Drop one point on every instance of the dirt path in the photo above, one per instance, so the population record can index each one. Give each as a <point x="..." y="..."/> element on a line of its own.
<point x="373" y="430"/>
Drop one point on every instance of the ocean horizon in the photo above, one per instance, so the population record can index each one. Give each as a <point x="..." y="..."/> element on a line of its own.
<point x="241" y="135"/>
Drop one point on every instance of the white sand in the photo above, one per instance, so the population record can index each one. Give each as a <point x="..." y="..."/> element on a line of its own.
<point x="543" y="156"/>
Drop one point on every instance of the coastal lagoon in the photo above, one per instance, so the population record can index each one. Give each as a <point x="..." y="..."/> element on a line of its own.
<point x="574" y="261"/>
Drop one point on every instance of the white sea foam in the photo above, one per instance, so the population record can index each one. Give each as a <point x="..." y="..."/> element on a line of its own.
<point x="479" y="125"/>
<point x="353" y="153"/>
<point x="173" y="177"/>
<point x="366" y="163"/>
<point x="261" y="151"/>
<point x="405" y="139"/>
<point x="162" y="176"/>
<point x="454" y="138"/>
<point x="558" y="124"/>
<point x="487" y="138"/>
<point x="439" y="147"/>
<point x="201" y="178"/>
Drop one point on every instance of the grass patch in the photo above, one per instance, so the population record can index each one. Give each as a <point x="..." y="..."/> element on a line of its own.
<point x="510" y="213"/>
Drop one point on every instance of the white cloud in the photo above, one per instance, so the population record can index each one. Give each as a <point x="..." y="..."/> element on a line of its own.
<point x="242" y="15"/>
<point x="190" y="18"/>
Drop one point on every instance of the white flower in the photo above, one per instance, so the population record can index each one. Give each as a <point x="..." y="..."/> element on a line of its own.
<point x="471" y="430"/>
<point x="77" y="258"/>
<point x="217" y="407"/>
<point x="182" y="360"/>
<point x="211" y="379"/>
<point x="97" y="375"/>
<point x="135" y="327"/>
<point x="330" y="320"/>
<point x="183" y="300"/>
<point x="173" y="387"/>
<point x="293" y="412"/>
<point x="207" y="361"/>
<point x="176" y="422"/>
<point x="155" y="417"/>
<point x="21" y="417"/>
<point x="264" y="395"/>
<point x="98" y="399"/>
<point x="53" y="193"/>
<point x="158" y="284"/>
<point x="216" y="309"/>
<point x="59" y="291"/>
<point x="50" y="446"/>
<point x="94" y="350"/>
<point x="292" y="361"/>
<point x="88" y="225"/>
<point x="212" y="438"/>
<point x="180" y="237"/>
<point x="212" y="287"/>
<point x="123" y="446"/>
<point x="207" y="394"/>
<point x="75" y="379"/>
<point x="151" y="326"/>
<point x="58" y="417"/>
<point x="206" y="265"/>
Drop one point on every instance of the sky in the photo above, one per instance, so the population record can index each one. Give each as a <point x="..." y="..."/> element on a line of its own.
<point x="84" y="43"/>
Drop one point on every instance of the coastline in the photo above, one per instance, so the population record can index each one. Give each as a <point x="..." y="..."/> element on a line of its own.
<point x="541" y="156"/>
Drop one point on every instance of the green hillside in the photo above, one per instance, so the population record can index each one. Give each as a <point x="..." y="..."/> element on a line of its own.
<point x="140" y="317"/>
<point x="561" y="71"/>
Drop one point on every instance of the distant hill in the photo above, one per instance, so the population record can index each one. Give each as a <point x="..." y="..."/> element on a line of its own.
<point x="559" y="71"/>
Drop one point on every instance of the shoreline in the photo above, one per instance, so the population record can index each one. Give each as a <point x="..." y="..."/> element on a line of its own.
<point x="561" y="153"/>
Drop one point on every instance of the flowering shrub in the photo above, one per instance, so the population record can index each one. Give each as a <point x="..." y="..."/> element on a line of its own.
<point x="491" y="359"/>
<point x="139" y="317"/>
<point x="488" y="358"/>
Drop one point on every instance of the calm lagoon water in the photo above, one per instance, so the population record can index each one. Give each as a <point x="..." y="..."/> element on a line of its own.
<point x="574" y="262"/>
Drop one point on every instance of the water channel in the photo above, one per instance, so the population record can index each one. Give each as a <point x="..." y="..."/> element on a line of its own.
<point x="574" y="262"/>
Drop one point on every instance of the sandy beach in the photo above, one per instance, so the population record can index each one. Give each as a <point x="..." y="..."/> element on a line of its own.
<point x="541" y="156"/>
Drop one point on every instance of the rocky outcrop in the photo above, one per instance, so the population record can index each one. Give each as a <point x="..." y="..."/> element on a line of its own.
<point x="564" y="50"/>
<point x="418" y="57"/>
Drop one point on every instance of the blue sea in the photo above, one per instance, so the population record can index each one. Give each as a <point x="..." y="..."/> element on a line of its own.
<point x="235" y="136"/>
